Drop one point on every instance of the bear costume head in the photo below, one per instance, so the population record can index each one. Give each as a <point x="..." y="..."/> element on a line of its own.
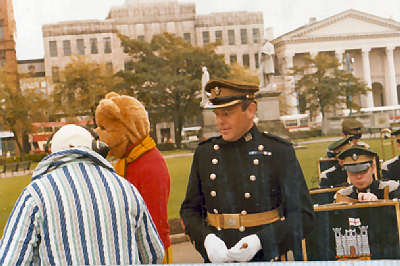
<point x="122" y="121"/>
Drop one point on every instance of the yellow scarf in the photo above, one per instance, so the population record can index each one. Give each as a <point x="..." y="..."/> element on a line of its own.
<point x="144" y="146"/>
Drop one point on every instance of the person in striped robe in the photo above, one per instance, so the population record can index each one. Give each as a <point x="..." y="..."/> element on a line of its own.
<point x="78" y="211"/>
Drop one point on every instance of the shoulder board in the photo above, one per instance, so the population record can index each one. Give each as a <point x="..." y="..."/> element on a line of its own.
<point x="329" y="170"/>
<point x="210" y="139"/>
<point x="275" y="137"/>
<point x="393" y="185"/>
<point x="388" y="162"/>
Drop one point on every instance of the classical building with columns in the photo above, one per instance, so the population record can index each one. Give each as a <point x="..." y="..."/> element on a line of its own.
<point x="366" y="44"/>
<point x="240" y="33"/>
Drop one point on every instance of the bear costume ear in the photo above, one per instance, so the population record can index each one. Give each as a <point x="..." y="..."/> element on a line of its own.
<point x="129" y="111"/>
<point x="111" y="95"/>
<point x="108" y="109"/>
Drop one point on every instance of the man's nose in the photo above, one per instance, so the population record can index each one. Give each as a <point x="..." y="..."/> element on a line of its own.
<point x="358" y="175"/>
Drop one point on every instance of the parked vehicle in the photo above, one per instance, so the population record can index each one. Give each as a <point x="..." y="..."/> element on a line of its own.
<point x="43" y="130"/>
<point x="298" y="122"/>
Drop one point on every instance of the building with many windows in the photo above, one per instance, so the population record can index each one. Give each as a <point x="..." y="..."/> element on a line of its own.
<point x="240" y="33"/>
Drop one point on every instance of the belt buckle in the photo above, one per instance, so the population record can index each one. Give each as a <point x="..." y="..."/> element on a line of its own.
<point x="231" y="220"/>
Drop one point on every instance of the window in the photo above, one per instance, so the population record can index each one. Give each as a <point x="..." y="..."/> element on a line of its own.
<point x="165" y="134"/>
<point x="243" y="36"/>
<point x="246" y="60"/>
<point x="218" y="35"/>
<point x="80" y="45"/>
<point x="206" y="37"/>
<point x="55" y="73"/>
<point x="2" y="58"/>
<point x="53" y="48"/>
<point x="67" y="47"/>
<point x="141" y="37"/>
<point x="1" y="32"/>
<point x="232" y="58"/>
<point x="93" y="46"/>
<point x="107" y="45"/>
<point x="231" y="37"/>
<point x="128" y="66"/>
<point x="109" y="67"/>
<point x="256" y="35"/>
<point x="256" y="59"/>
<point x="398" y="94"/>
<point x="187" y="37"/>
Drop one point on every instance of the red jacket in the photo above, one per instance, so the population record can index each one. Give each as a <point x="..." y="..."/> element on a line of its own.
<point x="149" y="174"/>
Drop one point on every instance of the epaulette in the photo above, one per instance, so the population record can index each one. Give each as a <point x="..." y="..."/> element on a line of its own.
<point x="386" y="163"/>
<point x="393" y="185"/>
<point x="275" y="137"/>
<point x="208" y="140"/>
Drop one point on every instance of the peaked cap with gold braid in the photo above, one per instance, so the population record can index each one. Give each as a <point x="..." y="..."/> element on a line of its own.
<point x="227" y="93"/>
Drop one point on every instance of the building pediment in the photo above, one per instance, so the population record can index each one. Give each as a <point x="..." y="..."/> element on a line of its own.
<point x="347" y="23"/>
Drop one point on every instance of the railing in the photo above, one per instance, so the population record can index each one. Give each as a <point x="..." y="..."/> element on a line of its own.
<point x="15" y="167"/>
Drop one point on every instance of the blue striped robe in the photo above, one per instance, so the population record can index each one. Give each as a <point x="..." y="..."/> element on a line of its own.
<point x="76" y="211"/>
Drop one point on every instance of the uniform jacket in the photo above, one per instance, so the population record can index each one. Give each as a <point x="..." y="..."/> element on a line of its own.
<point x="257" y="173"/>
<point x="334" y="176"/>
<point x="391" y="169"/>
<point x="78" y="211"/>
<point x="149" y="174"/>
<point x="377" y="187"/>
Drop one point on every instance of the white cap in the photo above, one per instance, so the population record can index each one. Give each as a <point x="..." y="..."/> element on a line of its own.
<point x="71" y="136"/>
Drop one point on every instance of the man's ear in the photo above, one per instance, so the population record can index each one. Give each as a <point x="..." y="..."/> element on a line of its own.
<point x="252" y="110"/>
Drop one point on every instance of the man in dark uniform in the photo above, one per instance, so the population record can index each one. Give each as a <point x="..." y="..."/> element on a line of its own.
<point x="351" y="127"/>
<point x="335" y="175"/>
<point x="391" y="168"/>
<point x="246" y="199"/>
<point x="360" y="164"/>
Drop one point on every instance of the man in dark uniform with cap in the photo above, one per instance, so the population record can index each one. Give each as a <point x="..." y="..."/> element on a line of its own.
<point x="391" y="168"/>
<point x="351" y="127"/>
<point x="335" y="175"/>
<point x="246" y="199"/>
<point x="360" y="164"/>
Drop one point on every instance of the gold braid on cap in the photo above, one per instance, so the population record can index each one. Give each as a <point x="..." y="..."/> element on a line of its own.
<point x="227" y="99"/>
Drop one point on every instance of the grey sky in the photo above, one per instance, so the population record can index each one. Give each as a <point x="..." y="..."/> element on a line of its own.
<point x="282" y="15"/>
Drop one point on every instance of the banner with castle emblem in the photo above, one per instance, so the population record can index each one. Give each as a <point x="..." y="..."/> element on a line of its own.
<point x="358" y="231"/>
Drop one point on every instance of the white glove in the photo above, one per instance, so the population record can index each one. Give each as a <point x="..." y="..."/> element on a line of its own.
<point x="245" y="249"/>
<point x="217" y="251"/>
<point x="367" y="197"/>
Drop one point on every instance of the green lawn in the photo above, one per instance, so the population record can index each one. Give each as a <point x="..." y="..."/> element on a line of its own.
<point x="10" y="188"/>
<point x="179" y="168"/>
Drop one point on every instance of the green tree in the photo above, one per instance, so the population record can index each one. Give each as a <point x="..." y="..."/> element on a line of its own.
<point x="79" y="87"/>
<point x="165" y="75"/>
<point x="20" y="108"/>
<point x="322" y="86"/>
<point x="243" y="74"/>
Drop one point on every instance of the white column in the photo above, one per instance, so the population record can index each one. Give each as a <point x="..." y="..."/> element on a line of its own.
<point x="367" y="100"/>
<point x="339" y="56"/>
<point x="314" y="53"/>
<point x="289" y="84"/>
<point x="391" y="91"/>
